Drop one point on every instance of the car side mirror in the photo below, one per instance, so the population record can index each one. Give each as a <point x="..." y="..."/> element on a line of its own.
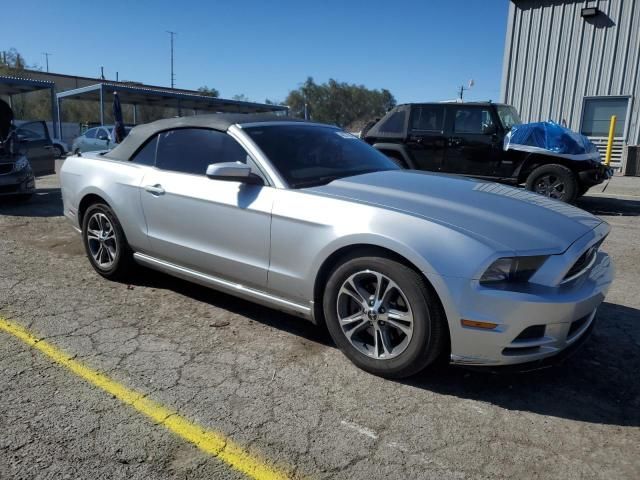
<point x="233" y="172"/>
<point x="490" y="129"/>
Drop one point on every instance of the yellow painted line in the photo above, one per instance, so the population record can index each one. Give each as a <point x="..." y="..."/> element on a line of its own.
<point x="208" y="441"/>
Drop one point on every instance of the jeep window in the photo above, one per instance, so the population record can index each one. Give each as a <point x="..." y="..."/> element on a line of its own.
<point x="472" y="120"/>
<point x="395" y="123"/>
<point x="508" y="116"/>
<point x="427" y="118"/>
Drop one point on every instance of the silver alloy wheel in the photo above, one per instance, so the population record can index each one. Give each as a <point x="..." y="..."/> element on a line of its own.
<point x="550" y="186"/>
<point x="375" y="315"/>
<point x="101" y="238"/>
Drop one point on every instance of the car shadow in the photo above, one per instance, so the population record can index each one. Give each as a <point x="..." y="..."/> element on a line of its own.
<point x="609" y="206"/>
<point x="45" y="202"/>
<point x="598" y="384"/>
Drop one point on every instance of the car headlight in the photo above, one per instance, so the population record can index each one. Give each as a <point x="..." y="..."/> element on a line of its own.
<point x="512" y="269"/>
<point x="21" y="164"/>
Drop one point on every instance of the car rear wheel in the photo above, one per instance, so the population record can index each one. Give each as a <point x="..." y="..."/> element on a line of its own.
<point x="105" y="242"/>
<point x="554" y="181"/>
<point x="384" y="317"/>
<point x="397" y="160"/>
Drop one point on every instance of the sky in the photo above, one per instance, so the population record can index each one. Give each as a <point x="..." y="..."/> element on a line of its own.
<point x="419" y="50"/>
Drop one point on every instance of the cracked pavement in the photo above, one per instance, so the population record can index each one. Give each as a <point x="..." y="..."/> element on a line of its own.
<point x="277" y="386"/>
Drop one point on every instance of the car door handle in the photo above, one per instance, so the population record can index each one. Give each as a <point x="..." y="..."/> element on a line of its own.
<point x="155" y="189"/>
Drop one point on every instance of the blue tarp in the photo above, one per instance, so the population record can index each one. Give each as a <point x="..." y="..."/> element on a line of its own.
<point x="550" y="138"/>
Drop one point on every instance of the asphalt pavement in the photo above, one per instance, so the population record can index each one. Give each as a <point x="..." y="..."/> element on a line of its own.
<point x="277" y="388"/>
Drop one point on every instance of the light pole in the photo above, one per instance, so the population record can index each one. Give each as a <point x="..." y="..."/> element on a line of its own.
<point x="46" y="56"/>
<point x="173" y="78"/>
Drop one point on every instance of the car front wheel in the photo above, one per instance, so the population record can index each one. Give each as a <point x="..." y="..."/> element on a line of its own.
<point x="384" y="317"/>
<point x="554" y="181"/>
<point x="105" y="242"/>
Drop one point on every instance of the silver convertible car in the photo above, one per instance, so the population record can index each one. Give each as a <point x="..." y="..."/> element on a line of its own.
<point x="403" y="267"/>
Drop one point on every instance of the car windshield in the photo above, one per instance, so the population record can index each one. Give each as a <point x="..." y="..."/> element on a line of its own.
<point x="508" y="116"/>
<point x="308" y="155"/>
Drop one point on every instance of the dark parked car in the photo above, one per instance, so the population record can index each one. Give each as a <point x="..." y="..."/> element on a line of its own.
<point x="467" y="139"/>
<point x="16" y="176"/>
<point x="35" y="142"/>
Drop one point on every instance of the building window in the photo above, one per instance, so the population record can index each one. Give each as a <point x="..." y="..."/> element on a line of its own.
<point x="597" y="112"/>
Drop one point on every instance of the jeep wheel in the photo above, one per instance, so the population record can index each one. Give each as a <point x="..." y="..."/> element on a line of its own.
<point x="554" y="181"/>
<point x="397" y="160"/>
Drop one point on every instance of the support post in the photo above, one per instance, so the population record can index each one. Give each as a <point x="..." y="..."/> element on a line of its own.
<point x="101" y="104"/>
<point x="54" y="114"/>
<point x="612" y="129"/>
<point x="59" y="105"/>
<point x="135" y="113"/>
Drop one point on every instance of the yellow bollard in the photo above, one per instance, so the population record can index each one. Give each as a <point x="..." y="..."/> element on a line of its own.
<point x="612" y="129"/>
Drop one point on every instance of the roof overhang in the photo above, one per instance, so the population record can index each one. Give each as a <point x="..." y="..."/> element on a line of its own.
<point x="165" y="98"/>
<point x="15" y="85"/>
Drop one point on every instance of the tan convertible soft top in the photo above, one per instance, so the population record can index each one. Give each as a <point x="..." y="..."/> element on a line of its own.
<point x="217" y="121"/>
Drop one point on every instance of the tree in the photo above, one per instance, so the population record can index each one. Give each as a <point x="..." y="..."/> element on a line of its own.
<point x="241" y="97"/>
<point x="209" y="92"/>
<point x="339" y="103"/>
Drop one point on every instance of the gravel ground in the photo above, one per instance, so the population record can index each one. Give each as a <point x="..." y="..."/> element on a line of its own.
<point x="277" y="386"/>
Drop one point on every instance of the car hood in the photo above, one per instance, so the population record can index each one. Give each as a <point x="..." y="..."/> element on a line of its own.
<point x="505" y="217"/>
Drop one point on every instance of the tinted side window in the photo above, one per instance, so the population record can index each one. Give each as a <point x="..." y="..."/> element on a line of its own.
<point x="191" y="150"/>
<point x="33" y="131"/>
<point x="395" y="123"/>
<point x="147" y="154"/>
<point x="91" y="133"/>
<point x="428" y="118"/>
<point x="472" y="120"/>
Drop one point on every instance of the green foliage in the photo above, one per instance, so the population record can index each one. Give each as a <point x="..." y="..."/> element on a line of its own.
<point x="339" y="103"/>
<point x="209" y="92"/>
<point x="241" y="97"/>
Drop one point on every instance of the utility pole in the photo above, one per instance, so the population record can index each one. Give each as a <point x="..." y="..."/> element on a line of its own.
<point x="173" y="78"/>
<point x="46" y="56"/>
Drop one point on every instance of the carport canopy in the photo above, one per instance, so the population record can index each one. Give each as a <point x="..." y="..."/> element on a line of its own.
<point x="10" y="86"/>
<point x="157" y="97"/>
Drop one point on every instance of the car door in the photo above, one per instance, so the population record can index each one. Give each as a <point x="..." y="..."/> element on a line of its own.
<point x="102" y="140"/>
<point x="34" y="139"/>
<point x="84" y="143"/>
<point x="473" y="147"/>
<point x="216" y="227"/>
<point x="426" y="139"/>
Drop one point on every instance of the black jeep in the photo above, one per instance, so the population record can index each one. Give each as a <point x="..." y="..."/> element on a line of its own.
<point x="467" y="139"/>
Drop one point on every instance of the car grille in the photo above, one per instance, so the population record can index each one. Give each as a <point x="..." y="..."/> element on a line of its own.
<point x="6" y="168"/>
<point x="583" y="262"/>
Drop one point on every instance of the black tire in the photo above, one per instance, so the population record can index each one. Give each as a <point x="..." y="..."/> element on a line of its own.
<point x="397" y="160"/>
<point x="554" y="181"/>
<point x="582" y="189"/>
<point x="429" y="338"/>
<point x="58" y="152"/>
<point x="122" y="263"/>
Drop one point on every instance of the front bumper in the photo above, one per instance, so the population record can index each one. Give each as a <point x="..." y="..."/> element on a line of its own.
<point x="17" y="183"/>
<point x="559" y="316"/>
<point x="595" y="176"/>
